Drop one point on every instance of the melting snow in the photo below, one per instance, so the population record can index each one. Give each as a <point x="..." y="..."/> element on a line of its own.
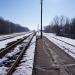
<point x="5" y="42"/>
<point x="26" y="66"/>
<point x="67" y="48"/>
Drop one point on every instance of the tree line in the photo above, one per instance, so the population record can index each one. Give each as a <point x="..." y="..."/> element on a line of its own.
<point x="7" y="27"/>
<point x="62" y="26"/>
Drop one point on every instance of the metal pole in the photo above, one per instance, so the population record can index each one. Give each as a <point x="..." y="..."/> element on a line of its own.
<point x="41" y="17"/>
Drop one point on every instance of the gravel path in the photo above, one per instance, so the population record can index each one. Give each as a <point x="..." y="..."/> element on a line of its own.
<point x="51" y="60"/>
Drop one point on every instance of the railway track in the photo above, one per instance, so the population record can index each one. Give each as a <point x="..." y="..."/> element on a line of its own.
<point x="9" y="37"/>
<point x="11" y="69"/>
<point x="13" y="44"/>
<point x="18" y="56"/>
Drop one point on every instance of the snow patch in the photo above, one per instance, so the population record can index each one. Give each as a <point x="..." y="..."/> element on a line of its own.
<point x="67" y="48"/>
<point x="26" y="66"/>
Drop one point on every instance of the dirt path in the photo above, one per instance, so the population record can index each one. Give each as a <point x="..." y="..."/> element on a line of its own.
<point x="51" y="60"/>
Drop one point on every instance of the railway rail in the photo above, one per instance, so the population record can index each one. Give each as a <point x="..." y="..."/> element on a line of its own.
<point x="9" y="37"/>
<point x="19" y="57"/>
<point x="13" y="62"/>
<point x="5" y="50"/>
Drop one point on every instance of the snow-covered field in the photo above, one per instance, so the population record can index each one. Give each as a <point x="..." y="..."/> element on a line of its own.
<point x="66" y="47"/>
<point x="5" y="42"/>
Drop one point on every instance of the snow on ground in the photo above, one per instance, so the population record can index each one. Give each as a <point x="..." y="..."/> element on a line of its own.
<point x="2" y="37"/>
<point x="67" y="48"/>
<point x="3" y="70"/>
<point x="6" y="60"/>
<point x="68" y="40"/>
<point x="38" y="33"/>
<point x="26" y="66"/>
<point x="5" y="42"/>
<point x="11" y="35"/>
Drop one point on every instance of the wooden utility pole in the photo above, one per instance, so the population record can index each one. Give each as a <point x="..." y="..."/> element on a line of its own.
<point x="41" y="17"/>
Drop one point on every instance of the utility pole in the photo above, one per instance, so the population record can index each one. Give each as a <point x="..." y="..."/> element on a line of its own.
<point x="41" y="17"/>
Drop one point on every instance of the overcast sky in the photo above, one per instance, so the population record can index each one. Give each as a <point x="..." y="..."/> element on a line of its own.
<point x="27" y="12"/>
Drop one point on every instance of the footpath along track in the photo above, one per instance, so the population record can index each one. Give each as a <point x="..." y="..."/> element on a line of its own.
<point x="61" y="59"/>
<point x="12" y="45"/>
<point x="52" y="60"/>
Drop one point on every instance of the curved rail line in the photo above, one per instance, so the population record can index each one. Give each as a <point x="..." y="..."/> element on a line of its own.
<point x="5" y="50"/>
<point x="19" y="57"/>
